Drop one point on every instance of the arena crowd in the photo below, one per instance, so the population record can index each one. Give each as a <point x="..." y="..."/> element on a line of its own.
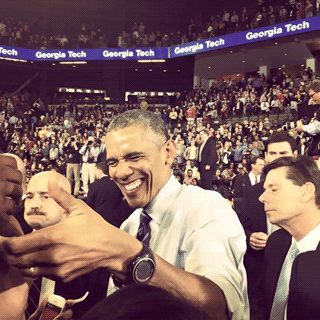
<point x="14" y="32"/>
<point x="240" y="114"/>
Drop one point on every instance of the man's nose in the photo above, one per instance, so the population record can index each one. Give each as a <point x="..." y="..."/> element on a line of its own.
<point x="262" y="198"/>
<point x="35" y="203"/>
<point x="123" y="170"/>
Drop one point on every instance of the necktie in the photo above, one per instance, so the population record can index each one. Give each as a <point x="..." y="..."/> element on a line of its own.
<point x="256" y="180"/>
<point x="144" y="231"/>
<point x="281" y="296"/>
<point x="33" y="298"/>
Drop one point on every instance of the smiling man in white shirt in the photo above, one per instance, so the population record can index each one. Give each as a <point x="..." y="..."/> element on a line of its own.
<point x="194" y="244"/>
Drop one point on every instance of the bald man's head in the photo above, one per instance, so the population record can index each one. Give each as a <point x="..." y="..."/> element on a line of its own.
<point x="41" y="210"/>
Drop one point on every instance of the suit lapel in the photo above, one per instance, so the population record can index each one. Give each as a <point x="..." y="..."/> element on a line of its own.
<point x="277" y="248"/>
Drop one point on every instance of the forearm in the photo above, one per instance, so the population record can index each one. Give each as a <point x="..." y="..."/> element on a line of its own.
<point x="197" y="290"/>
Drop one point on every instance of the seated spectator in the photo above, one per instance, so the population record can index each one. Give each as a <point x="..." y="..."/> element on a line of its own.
<point x="188" y="177"/>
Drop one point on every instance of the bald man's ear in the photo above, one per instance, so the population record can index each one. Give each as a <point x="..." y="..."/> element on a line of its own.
<point x="171" y="151"/>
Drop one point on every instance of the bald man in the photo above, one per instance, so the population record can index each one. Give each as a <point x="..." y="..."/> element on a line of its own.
<point x="42" y="211"/>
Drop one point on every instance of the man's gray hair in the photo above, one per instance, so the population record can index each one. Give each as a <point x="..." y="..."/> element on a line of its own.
<point x="314" y="85"/>
<point x="145" y="119"/>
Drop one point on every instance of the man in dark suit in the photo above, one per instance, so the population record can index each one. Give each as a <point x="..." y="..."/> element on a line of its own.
<point x="106" y="198"/>
<point x="244" y="182"/>
<point x="290" y="277"/>
<point x="207" y="159"/>
<point x="253" y="216"/>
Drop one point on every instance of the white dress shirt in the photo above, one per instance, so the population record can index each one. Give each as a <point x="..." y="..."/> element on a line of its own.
<point x="196" y="230"/>
<point x="252" y="178"/>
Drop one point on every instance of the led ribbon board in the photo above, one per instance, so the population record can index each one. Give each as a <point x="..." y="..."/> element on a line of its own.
<point x="226" y="41"/>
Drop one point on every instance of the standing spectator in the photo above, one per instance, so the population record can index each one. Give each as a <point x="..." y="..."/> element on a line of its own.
<point x="207" y="159"/>
<point x="192" y="151"/>
<point x="234" y="21"/>
<point x="308" y="9"/>
<point x="90" y="154"/>
<point x="283" y="14"/>
<point x="71" y="149"/>
<point x="105" y="197"/>
<point x="173" y="116"/>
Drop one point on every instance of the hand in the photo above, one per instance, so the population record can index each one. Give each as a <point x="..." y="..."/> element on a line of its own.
<point x="10" y="184"/>
<point x="79" y="244"/>
<point x="258" y="240"/>
<point x="299" y="126"/>
<point x="65" y="315"/>
<point x="207" y="167"/>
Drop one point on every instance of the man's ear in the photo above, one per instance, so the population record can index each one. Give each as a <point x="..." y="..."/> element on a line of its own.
<point x="308" y="191"/>
<point x="171" y="151"/>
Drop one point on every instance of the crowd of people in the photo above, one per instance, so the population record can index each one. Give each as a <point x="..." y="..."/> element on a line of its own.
<point x="14" y="32"/>
<point x="240" y="113"/>
<point x="226" y="22"/>
<point x="151" y="157"/>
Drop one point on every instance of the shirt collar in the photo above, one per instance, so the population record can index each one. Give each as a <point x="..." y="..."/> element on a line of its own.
<point x="163" y="200"/>
<point x="310" y="241"/>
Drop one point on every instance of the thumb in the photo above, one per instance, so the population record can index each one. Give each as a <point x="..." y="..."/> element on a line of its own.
<point x="60" y="195"/>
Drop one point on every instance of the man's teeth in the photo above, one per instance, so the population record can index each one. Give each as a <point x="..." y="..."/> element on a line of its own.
<point x="133" y="185"/>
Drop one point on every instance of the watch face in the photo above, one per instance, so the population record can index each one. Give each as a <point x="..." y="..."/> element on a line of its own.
<point x="144" y="270"/>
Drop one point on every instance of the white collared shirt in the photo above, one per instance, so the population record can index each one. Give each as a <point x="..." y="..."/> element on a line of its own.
<point x="197" y="231"/>
<point x="252" y="178"/>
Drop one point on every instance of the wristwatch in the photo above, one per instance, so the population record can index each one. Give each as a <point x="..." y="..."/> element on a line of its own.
<point x="141" y="269"/>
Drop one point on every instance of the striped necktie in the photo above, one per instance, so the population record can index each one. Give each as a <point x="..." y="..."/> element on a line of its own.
<point x="33" y="298"/>
<point x="282" y="292"/>
<point x="144" y="231"/>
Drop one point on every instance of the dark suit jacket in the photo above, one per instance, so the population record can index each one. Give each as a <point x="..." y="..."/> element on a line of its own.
<point x="304" y="296"/>
<point x="242" y="185"/>
<point x="96" y="282"/>
<point x="208" y="155"/>
<point x="253" y="216"/>
<point x="253" y="219"/>
<point x="106" y="198"/>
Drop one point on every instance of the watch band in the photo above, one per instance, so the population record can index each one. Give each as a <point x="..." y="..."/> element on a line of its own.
<point x="141" y="268"/>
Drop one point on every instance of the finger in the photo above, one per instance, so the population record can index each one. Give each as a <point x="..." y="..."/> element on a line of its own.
<point x="10" y="174"/>
<point x="70" y="303"/>
<point x="34" y="259"/>
<point x="8" y="161"/>
<point x="12" y="190"/>
<point x="65" y="315"/>
<point x="66" y="272"/>
<point x="61" y="196"/>
<point x="37" y="313"/>
<point x="32" y="242"/>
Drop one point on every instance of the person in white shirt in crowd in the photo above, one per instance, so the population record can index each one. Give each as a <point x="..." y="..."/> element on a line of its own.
<point x="90" y="153"/>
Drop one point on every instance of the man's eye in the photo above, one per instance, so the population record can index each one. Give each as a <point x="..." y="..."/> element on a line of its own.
<point x="135" y="158"/>
<point x="112" y="163"/>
